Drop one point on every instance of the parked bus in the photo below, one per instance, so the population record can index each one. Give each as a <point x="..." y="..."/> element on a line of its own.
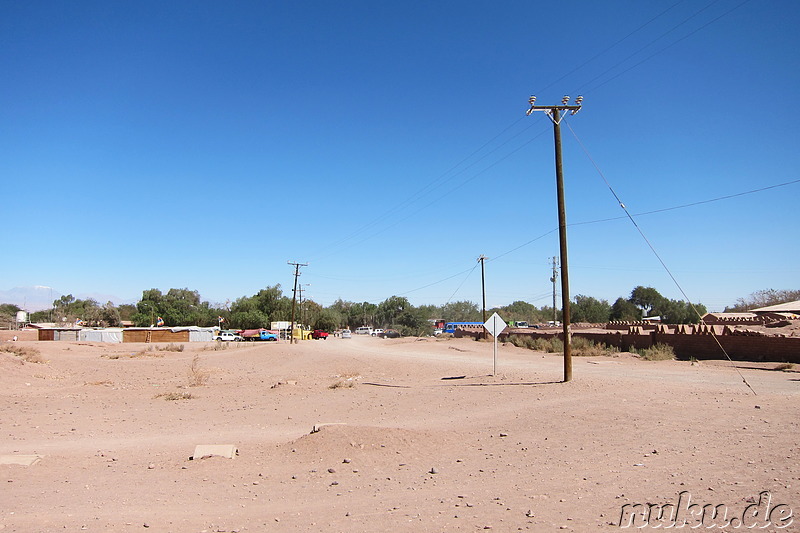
<point x="451" y="327"/>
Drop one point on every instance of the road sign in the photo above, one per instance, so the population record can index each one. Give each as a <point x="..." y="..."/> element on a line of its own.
<point x="495" y="325"/>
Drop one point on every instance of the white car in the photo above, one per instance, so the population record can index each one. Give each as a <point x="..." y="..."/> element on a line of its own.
<point x="227" y="336"/>
<point x="376" y="332"/>
<point x="363" y="330"/>
<point x="346" y="334"/>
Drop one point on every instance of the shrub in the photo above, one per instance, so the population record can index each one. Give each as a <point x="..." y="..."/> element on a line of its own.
<point x="170" y="396"/>
<point x="173" y="347"/>
<point x="537" y="344"/>
<point x="26" y="353"/>
<point x="521" y="341"/>
<point x="584" y="347"/>
<point x="658" y="352"/>
<point x="197" y="376"/>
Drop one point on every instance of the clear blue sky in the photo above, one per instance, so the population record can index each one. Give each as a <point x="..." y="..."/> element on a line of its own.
<point x="203" y="145"/>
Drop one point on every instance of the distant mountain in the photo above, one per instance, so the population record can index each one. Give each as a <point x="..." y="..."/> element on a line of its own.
<point x="30" y="298"/>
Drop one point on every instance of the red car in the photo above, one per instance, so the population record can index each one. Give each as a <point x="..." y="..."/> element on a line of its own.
<point x="319" y="334"/>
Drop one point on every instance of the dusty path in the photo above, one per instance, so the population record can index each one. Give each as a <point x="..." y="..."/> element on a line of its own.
<point x="413" y="451"/>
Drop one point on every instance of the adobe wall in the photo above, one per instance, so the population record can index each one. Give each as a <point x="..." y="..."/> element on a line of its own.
<point x="700" y="346"/>
<point x="21" y="334"/>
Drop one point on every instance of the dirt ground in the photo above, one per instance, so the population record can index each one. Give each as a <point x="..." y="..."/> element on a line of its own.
<point x="419" y="437"/>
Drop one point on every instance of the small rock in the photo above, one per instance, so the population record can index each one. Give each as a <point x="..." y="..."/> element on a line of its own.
<point x="331" y="470"/>
<point x="433" y="470"/>
<point x="151" y="466"/>
<point x="346" y="460"/>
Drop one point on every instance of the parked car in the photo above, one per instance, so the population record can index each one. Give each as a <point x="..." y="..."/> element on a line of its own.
<point x="363" y="330"/>
<point x="346" y="334"/>
<point x="319" y="334"/>
<point x="227" y="336"/>
<point x="377" y="332"/>
<point x="391" y="334"/>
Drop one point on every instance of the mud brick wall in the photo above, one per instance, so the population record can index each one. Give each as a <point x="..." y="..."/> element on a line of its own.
<point x="699" y="346"/>
<point x="21" y="334"/>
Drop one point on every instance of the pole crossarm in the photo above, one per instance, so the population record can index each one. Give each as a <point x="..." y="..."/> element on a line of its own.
<point x="552" y="110"/>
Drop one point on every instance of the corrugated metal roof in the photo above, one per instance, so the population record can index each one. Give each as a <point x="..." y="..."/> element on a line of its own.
<point x="788" y="307"/>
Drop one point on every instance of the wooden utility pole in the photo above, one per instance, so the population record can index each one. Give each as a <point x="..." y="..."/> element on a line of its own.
<point x="483" y="259"/>
<point x="294" y="296"/>
<point x="553" y="111"/>
<point x="553" y="280"/>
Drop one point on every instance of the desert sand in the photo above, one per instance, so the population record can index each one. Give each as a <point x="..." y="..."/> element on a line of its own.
<point x="414" y="435"/>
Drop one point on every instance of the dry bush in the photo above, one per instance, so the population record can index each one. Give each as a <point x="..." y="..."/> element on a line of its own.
<point x="585" y="348"/>
<point x="785" y="367"/>
<point x="149" y="352"/>
<point x="171" y="396"/>
<point x="347" y="380"/>
<point x="173" y="347"/>
<point x="26" y="353"/>
<point x="521" y="341"/>
<point x="198" y="376"/>
<point x="658" y="352"/>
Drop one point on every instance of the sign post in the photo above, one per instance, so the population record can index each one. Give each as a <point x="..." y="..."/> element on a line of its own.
<point x="495" y="326"/>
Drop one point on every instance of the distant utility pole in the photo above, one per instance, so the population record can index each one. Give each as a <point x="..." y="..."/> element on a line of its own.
<point x="294" y="295"/>
<point x="553" y="280"/>
<point x="483" y="259"/>
<point x="300" y="303"/>
<point x="553" y="111"/>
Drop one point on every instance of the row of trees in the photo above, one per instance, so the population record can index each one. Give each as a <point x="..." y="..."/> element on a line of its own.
<point x="183" y="307"/>
<point x="643" y="302"/>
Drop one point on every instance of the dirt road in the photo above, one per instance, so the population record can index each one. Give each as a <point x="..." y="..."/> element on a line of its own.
<point x="416" y="435"/>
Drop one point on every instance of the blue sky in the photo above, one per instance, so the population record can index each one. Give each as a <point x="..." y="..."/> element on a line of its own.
<point x="203" y="145"/>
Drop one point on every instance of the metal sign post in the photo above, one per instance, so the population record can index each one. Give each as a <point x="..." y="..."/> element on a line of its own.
<point x="495" y="326"/>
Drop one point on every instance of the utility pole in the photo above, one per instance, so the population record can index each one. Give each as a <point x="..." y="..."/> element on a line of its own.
<point x="300" y="302"/>
<point x="553" y="111"/>
<point x="294" y="295"/>
<point x="553" y="280"/>
<point x="483" y="259"/>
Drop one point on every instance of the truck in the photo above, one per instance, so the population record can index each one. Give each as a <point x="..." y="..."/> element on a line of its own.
<point x="319" y="334"/>
<point x="227" y="336"/>
<point x="259" y="335"/>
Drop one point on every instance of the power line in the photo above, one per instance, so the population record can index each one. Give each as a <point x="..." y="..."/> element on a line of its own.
<point x="648" y="58"/>
<point x="660" y="260"/>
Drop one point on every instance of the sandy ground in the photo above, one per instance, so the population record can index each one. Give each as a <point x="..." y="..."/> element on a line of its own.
<point x="423" y="438"/>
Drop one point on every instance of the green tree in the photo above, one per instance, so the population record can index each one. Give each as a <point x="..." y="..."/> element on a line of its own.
<point x="327" y="319"/>
<point x="625" y="310"/>
<point x="679" y="312"/>
<point x="589" y="309"/>
<point x="390" y="310"/>
<point x="646" y="298"/>
<point x="462" y="311"/>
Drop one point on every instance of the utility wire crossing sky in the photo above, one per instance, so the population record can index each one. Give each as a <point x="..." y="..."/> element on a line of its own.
<point x="203" y="145"/>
